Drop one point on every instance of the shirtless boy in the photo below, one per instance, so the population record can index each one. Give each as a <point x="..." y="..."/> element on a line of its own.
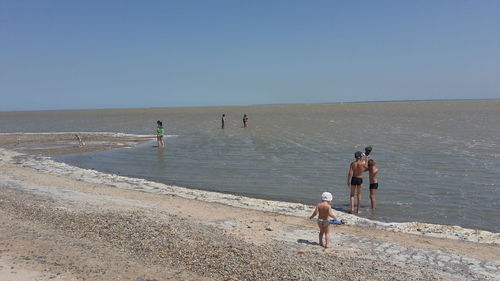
<point x="324" y="211"/>
<point x="355" y="179"/>
<point x="373" y="172"/>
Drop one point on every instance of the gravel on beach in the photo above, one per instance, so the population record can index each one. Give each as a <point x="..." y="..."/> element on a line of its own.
<point x="161" y="239"/>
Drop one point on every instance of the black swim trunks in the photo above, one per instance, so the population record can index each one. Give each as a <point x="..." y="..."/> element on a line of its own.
<point x="374" y="185"/>
<point x="356" y="181"/>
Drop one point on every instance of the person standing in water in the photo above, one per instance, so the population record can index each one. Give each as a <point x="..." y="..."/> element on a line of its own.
<point x="355" y="179"/>
<point x="160" y="132"/>
<point x="223" y="121"/>
<point x="373" y="172"/>
<point x="366" y="155"/>
<point x="245" y="120"/>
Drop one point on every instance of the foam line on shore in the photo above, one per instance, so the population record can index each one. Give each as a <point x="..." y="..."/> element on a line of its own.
<point x="47" y="165"/>
<point x="108" y="134"/>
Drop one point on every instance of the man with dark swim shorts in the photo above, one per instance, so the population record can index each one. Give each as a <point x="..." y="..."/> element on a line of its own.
<point x="373" y="172"/>
<point x="355" y="179"/>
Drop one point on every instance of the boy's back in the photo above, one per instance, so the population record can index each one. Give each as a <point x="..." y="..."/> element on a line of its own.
<point x="324" y="210"/>
<point x="358" y="168"/>
<point x="372" y="171"/>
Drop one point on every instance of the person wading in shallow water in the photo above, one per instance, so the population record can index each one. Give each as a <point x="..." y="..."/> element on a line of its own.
<point x="373" y="172"/>
<point x="355" y="179"/>
<point x="223" y="121"/>
<point x="245" y="120"/>
<point x="160" y="132"/>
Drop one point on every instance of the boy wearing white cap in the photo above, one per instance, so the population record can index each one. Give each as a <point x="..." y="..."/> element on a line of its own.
<point x="324" y="210"/>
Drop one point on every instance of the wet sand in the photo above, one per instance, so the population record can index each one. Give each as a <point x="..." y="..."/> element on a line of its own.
<point x="61" y="227"/>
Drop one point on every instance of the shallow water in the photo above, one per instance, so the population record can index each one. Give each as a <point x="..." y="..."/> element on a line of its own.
<point x="438" y="161"/>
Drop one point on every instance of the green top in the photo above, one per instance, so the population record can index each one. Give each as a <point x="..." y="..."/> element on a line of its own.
<point x="160" y="131"/>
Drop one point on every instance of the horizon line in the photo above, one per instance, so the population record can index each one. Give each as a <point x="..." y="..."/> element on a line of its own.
<point x="263" y="104"/>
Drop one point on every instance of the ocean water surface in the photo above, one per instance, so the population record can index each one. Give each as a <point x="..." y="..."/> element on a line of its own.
<point x="439" y="161"/>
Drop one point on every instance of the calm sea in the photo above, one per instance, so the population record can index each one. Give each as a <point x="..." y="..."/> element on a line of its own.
<point x="439" y="161"/>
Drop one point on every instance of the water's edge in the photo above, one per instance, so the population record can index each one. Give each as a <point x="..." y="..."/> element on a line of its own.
<point x="48" y="165"/>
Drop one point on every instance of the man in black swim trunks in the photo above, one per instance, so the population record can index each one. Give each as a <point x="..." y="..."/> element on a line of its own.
<point x="373" y="172"/>
<point x="355" y="179"/>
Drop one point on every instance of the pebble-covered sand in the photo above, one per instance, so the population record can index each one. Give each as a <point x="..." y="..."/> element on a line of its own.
<point x="161" y="239"/>
<point x="55" y="227"/>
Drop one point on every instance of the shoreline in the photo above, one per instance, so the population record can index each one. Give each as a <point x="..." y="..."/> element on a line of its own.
<point x="279" y="207"/>
<point x="108" y="141"/>
<point x="73" y="194"/>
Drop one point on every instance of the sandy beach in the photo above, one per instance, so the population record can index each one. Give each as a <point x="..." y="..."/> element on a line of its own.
<point x="67" y="226"/>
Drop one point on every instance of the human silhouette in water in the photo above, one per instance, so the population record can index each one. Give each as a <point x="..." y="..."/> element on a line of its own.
<point x="245" y="120"/>
<point x="223" y="121"/>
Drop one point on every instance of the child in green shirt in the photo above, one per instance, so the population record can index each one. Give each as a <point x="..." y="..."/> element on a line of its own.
<point x="160" y="132"/>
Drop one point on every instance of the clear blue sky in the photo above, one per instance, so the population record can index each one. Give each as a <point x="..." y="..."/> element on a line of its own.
<point x="113" y="54"/>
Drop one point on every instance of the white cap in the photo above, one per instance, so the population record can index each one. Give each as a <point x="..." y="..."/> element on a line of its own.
<point x="326" y="196"/>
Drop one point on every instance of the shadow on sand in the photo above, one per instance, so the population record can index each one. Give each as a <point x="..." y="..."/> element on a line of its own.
<point x="304" y="241"/>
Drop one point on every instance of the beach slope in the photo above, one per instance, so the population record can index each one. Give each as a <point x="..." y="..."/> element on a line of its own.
<point x="57" y="226"/>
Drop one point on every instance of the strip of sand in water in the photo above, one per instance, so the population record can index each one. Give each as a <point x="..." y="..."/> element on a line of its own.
<point x="282" y="228"/>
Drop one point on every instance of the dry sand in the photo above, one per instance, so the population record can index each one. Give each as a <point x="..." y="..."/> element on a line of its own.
<point x="58" y="227"/>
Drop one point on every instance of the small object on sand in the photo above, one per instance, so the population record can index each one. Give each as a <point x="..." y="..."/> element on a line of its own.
<point x="336" y="222"/>
<point x="269" y="228"/>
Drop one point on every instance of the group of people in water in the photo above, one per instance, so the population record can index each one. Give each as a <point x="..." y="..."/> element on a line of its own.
<point x="223" y="121"/>
<point x="361" y="164"/>
<point x="160" y="131"/>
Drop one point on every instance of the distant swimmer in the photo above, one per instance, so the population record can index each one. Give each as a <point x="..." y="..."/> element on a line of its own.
<point x="79" y="139"/>
<point x="355" y="179"/>
<point x="324" y="211"/>
<point x="245" y="120"/>
<point x="223" y="121"/>
<point x="373" y="172"/>
<point x="160" y="132"/>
